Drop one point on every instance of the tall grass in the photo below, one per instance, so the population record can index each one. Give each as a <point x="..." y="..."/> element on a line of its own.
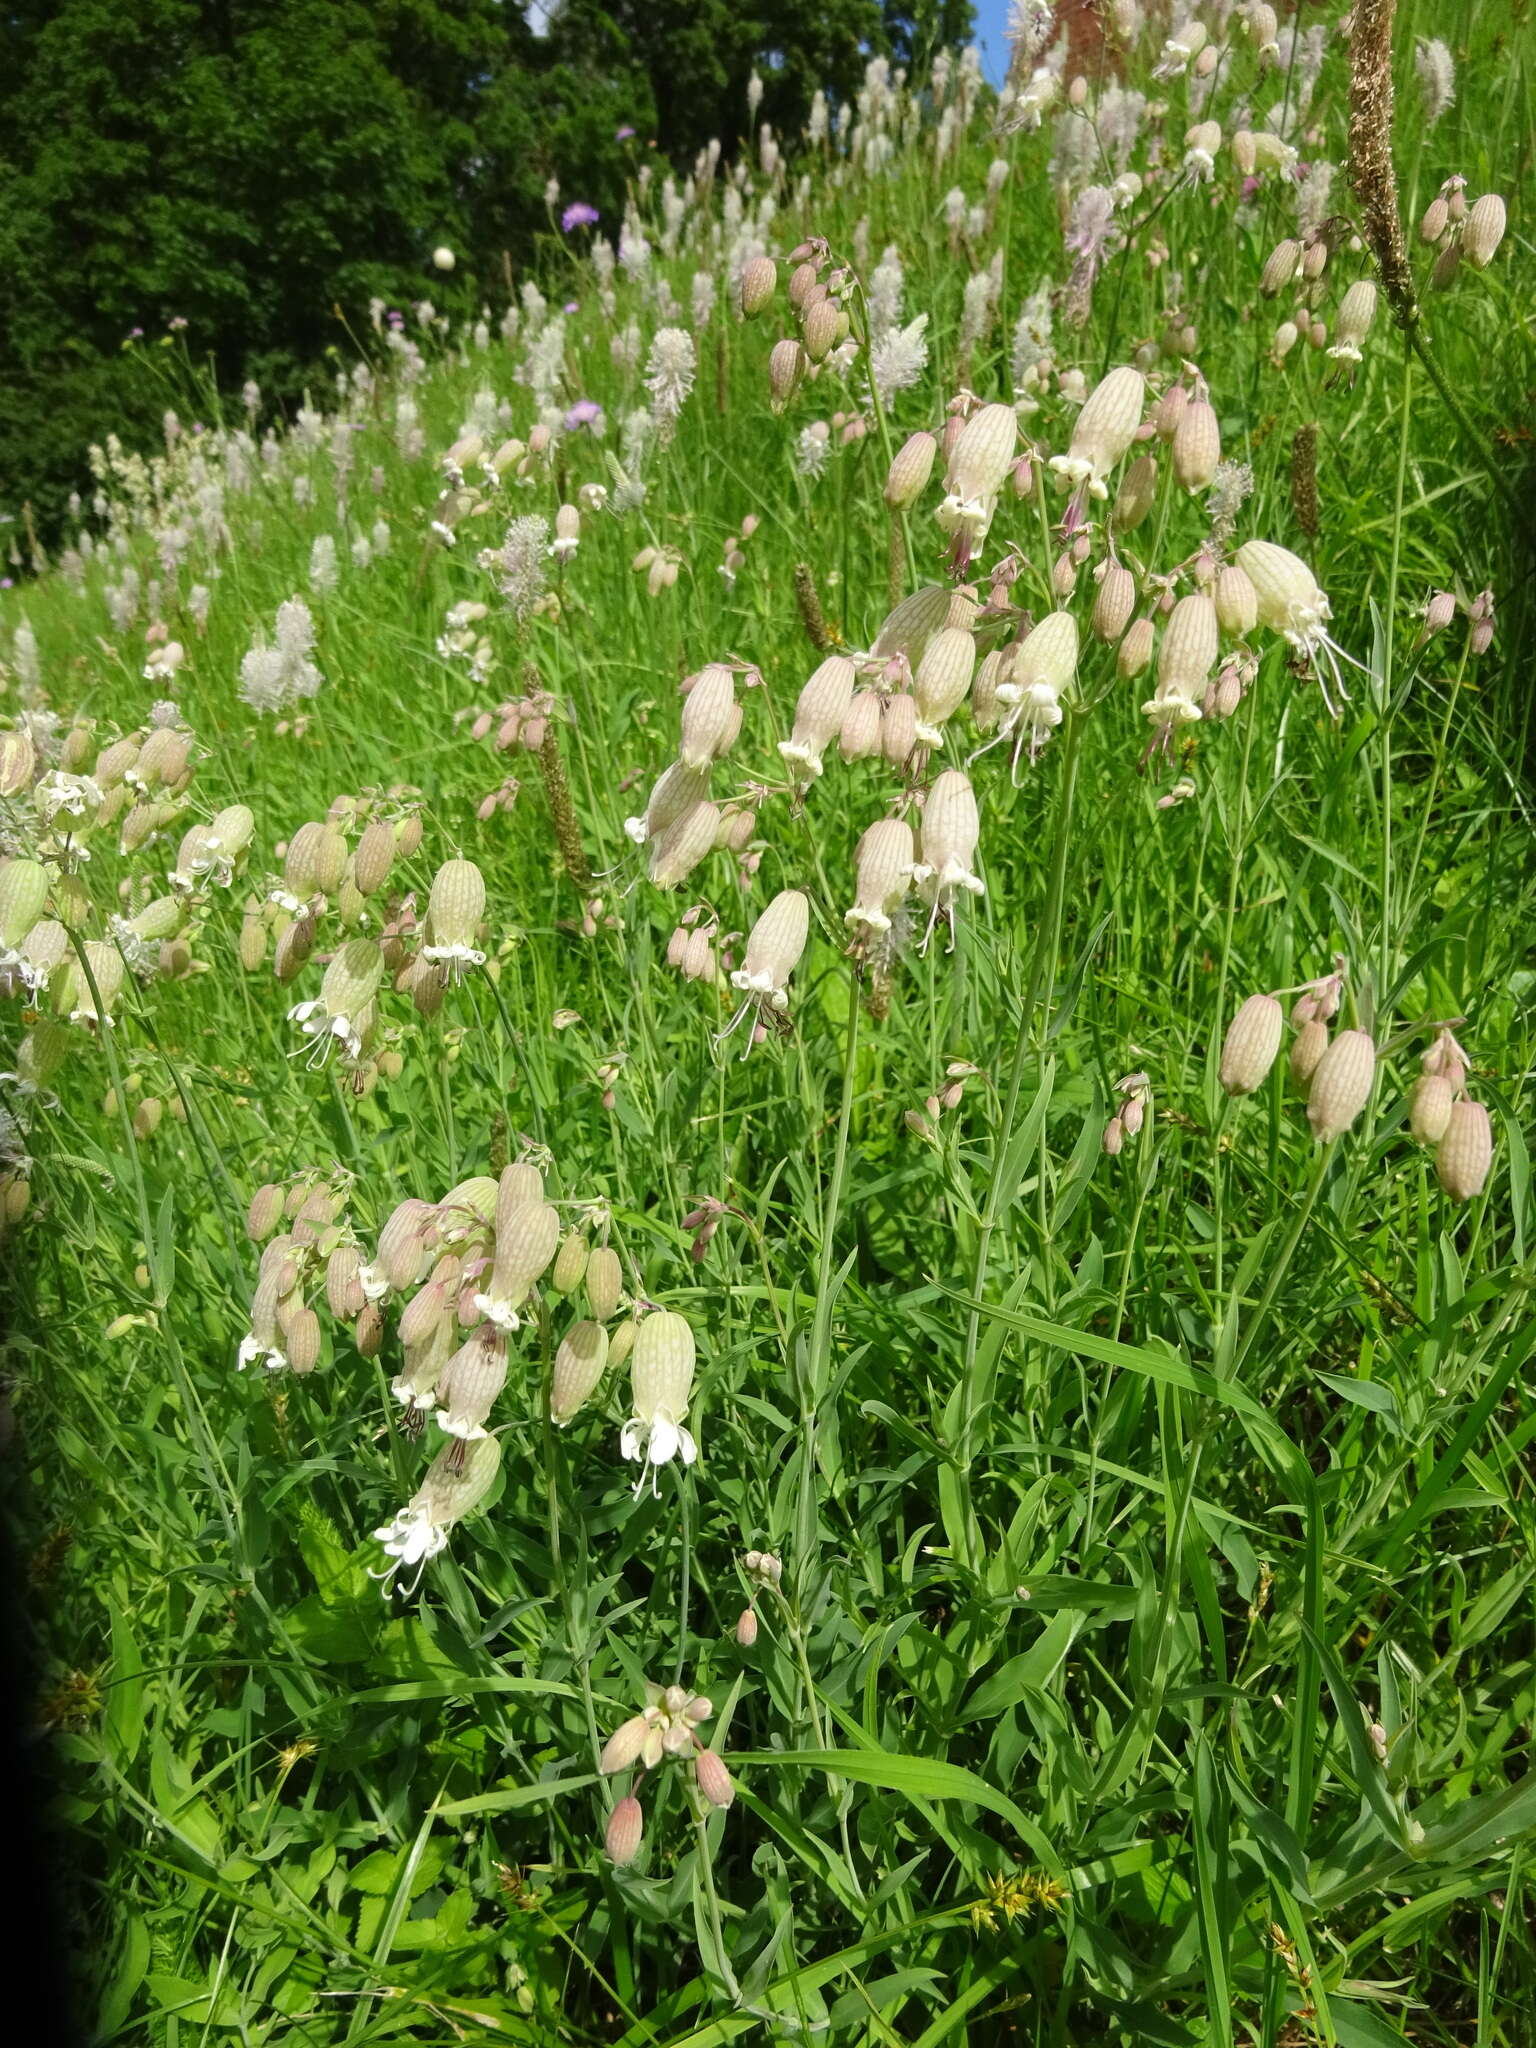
<point x="1147" y="1657"/>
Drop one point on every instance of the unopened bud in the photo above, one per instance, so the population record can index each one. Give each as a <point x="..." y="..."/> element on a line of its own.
<point x="1430" y="1103"/>
<point x="759" y="281"/>
<point x="604" y="1279"/>
<point x="580" y="1359"/>
<point x="1483" y="231"/>
<point x="910" y="470"/>
<point x="1251" y="1045"/>
<point x="714" y="1780"/>
<point x="746" y="1627"/>
<point x="1341" y="1085"/>
<point x="626" y="1825"/>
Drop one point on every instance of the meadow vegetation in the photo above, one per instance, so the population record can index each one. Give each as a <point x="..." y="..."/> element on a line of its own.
<point x="792" y="1300"/>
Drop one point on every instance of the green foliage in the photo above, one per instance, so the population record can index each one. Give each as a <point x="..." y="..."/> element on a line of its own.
<point x="252" y="168"/>
<point x="1151" y="1661"/>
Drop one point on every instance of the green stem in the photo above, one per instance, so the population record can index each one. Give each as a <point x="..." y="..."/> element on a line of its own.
<point x="1046" y="942"/>
<point x="816" y="1372"/>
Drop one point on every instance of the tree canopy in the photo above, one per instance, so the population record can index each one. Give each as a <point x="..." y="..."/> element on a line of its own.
<point x="246" y="166"/>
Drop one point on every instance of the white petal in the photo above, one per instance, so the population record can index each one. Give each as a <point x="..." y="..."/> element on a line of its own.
<point x="664" y="1440"/>
<point x="689" y="1448"/>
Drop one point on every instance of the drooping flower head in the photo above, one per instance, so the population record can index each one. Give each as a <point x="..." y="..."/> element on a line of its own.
<point x="661" y="1379"/>
<point x="450" y="1491"/>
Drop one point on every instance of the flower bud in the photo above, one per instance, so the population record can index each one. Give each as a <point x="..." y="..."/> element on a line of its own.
<point x="18" y="762"/>
<point x="622" y="1342"/>
<point x="820" y="330"/>
<point x="1115" y="602"/>
<point x="746" y="1627"/>
<point x="759" y="281"/>
<point x="374" y="857"/>
<point x="626" y="1825"/>
<point x="883" y="864"/>
<point x="368" y="1331"/>
<point x="1283" y="262"/>
<point x="688" y="840"/>
<point x="711" y="717"/>
<point x="943" y="677"/>
<point x="471" y="1382"/>
<point x="1465" y="1154"/>
<point x="579" y="1361"/>
<point x="570" y="1263"/>
<point x="1310" y="1043"/>
<point x="1196" y="445"/>
<point x="1236" y="600"/>
<point x="911" y="467"/>
<point x="774" y="946"/>
<point x="1137" y="493"/>
<point x="1251" y="1045"/>
<point x="786" y="366"/>
<point x="624" y="1746"/>
<point x="819" y="713"/>
<point x="1436" y="218"/>
<point x="343" y="1286"/>
<point x="714" y="1780"/>
<point x="301" y="1340"/>
<point x="604" y="1280"/>
<point x="264" y="1213"/>
<point x="898" y="729"/>
<point x="1341" y="1085"/>
<point x="1135" y="650"/>
<point x="1481" y="235"/>
<point x="24" y="886"/>
<point x="859" y="736"/>
<point x="1189" y="648"/>
<point x="1430" y="1102"/>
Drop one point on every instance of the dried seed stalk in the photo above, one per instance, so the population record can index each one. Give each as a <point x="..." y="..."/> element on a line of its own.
<point x="1370" y="152"/>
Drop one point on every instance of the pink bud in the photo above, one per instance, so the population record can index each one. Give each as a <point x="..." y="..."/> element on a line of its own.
<point x="1114" y="1136"/>
<point x="746" y="1628"/>
<point x="626" y="1824"/>
<point x="713" y="1778"/>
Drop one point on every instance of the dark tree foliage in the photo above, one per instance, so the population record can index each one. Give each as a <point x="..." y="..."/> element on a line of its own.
<point x="252" y="167"/>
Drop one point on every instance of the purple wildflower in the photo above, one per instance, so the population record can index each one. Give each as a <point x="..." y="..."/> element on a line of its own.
<point x="623" y="134"/>
<point x="570" y="306"/>
<point x="579" y="215"/>
<point x="586" y="412"/>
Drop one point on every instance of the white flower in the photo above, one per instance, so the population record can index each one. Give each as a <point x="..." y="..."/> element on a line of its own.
<point x="323" y="1029"/>
<point x="457" y="1481"/>
<point x="661" y="1377"/>
<point x="252" y="1349"/>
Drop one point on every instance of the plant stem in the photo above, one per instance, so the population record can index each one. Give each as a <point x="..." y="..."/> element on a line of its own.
<point x="1047" y="939"/>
